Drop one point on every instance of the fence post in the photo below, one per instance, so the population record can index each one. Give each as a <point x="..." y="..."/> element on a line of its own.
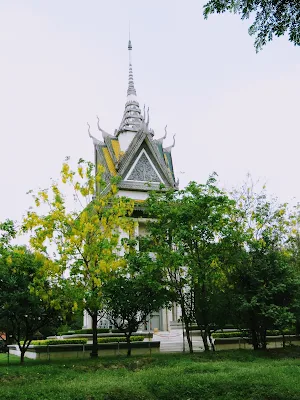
<point x="8" y="355"/>
<point x="83" y="350"/>
<point x="48" y="351"/>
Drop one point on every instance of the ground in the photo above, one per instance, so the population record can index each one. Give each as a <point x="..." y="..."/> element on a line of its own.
<point x="226" y="375"/>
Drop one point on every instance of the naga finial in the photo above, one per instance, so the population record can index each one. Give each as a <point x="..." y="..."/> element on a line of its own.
<point x="144" y="112"/>
<point x="168" y="149"/>
<point x="147" y="123"/>
<point x="104" y="133"/>
<point x="165" y="135"/>
<point x="89" y="129"/>
<point x="95" y="141"/>
<point x="173" y="145"/>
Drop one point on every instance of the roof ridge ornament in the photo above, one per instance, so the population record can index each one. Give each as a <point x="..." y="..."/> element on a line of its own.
<point x="160" y="140"/>
<point x="95" y="140"/>
<point x="104" y="133"/>
<point x="147" y="123"/>
<point x="168" y="149"/>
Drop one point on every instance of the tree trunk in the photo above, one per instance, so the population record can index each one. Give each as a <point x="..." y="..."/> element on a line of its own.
<point x="297" y="328"/>
<point x="283" y="340"/>
<point x="94" y="353"/>
<point x="23" y="350"/>
<point x="201" y="312"/>
<point x="264" y="340"/>
<point x="188" y="337"/>
<point x="204" y="338"/>
<point x="211" y="341"/>
<point x="128" y="344"/>
<point x="186" y="324"/>
<point x="254" y="339"/>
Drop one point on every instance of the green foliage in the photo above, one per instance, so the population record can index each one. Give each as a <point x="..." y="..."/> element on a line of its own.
<point x="53" y="342"/>
<point x="228" y="334"/>
<point x="265" y="287"/>
<point x="192" y="236"/>
<point x="86" y="239"/>
<point x="120" y="339"/>
<point x="244" y="334"/>
<point x="272" y="18"/>
<point x="24" y="309"/>
<point x="84" y="331"/>
<point x="8" y="232"/>
<point x="135" y="292"/>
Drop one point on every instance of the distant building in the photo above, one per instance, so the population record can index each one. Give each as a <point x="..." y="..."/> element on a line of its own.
<point x="143" y="163"/>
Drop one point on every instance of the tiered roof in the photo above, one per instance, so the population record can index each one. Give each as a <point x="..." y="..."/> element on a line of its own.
<point x="144" y="164"/>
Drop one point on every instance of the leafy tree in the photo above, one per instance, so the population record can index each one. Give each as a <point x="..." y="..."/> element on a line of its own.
<point x="8" y="232"/>
<point x="163" y="239"/>
<point x="24" y="307"/>
<point x="265" y="292"/>
<point x="265" y="286"/>
<point x="135" y="293"/>
<point x="195" y="226"/>
<point x="272" y="17"/>
<point x="87" y="238"/>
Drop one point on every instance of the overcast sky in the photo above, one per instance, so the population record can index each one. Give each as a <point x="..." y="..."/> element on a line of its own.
<point x="65" y="61"/>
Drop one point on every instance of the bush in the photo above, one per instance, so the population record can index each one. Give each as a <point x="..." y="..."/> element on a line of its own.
<point x="273" y="332"/>
<point x="83" y="331"/>
<point x="228" y="334"/>
<point x="58" y="341"/>
<point x="116" y="331"/>
<point x="227" y="326"/>
<point x="120" y="339"/>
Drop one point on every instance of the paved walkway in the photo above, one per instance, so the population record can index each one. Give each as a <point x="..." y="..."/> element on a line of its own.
<point x="172" y="342"/>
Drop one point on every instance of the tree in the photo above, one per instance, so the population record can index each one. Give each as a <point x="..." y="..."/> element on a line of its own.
<point x="265" y="285"/>
<point x="8" y="232"/>
<point x="135" y="293"/>
<point x="24" y="308"/>
<point x="86" y="239"/>
<point x="273" y="17"/>
<point x="163" y="239"/>
<point x="194" y="226"/>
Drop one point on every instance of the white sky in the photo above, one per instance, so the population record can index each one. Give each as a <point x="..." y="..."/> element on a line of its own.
<point x="65" y="61"/>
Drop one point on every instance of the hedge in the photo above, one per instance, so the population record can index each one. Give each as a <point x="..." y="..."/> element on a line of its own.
<point x="57" y="341"/>
<point x="84" y="331"/>
<point x="227" y="334"/>
<point x="196" y="328"/>
<point x="244" y="334"/>
<point x="120" y="339"/>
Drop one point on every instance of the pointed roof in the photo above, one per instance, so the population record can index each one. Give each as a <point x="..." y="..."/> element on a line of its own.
<point x="143" y="164"/>
<point x="132" y="117"/>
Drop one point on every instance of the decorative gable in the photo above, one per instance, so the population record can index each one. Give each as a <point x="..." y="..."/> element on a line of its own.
<point x="143" y="170"/>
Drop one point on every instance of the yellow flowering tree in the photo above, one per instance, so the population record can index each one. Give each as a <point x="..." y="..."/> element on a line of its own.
<point x="87" y="238"/>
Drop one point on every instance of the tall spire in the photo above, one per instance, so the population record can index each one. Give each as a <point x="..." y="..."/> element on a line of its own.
<point x="131" y="89"/>
<point x="132" y="118"/>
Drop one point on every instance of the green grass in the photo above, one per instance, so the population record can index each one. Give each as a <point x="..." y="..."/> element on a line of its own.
<point x="226" y="375"/>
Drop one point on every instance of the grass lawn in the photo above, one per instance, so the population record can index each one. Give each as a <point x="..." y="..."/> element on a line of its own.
<point x="226" y="375"/>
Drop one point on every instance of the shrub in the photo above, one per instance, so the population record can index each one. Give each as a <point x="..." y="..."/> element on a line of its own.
<point x="120" y="339"/>
<point x="58" y="341"/>
<point x="83" y="331"/>
<point x="116" y="331"/>
<point x="228" y="334"/>
<point x="273" y="332"/>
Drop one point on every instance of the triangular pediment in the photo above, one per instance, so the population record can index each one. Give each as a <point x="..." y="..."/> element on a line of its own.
<point x="142" y="165"/>
<point x="143" y="170"/>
